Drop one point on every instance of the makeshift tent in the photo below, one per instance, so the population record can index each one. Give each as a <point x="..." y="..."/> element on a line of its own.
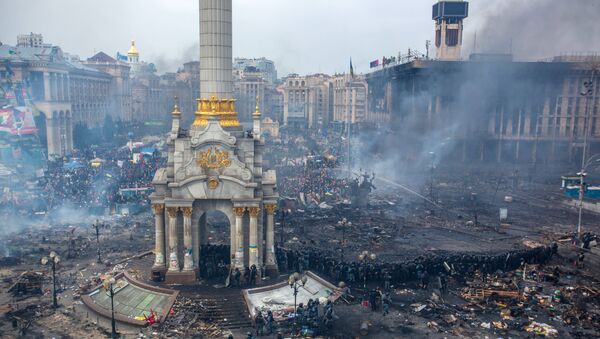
<point x="73" y="164"/>
<point x="148" y="150"/>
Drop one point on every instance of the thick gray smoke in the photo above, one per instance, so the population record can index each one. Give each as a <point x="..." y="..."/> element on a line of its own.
<point x="536" y="29"/>
<point x="65" y="215"/>
<point x="174" y="61"/>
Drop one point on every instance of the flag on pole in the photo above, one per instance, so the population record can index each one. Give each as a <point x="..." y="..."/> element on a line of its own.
<point x="374" y="63"/>
<point x="351" y="69"/>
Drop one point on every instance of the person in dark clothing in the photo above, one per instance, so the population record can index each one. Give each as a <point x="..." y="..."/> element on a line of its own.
<point x="246" y="276"/>
<point x="259" y="322"/>
<point x="373" y="300"/>
<point x="270" y="322"/>
<point x="236" y="277"/>
<point x="253" y="275"/>
<point x="580" y="260"/>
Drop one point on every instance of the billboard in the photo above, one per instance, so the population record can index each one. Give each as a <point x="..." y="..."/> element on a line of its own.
<point x="17" y="121"/>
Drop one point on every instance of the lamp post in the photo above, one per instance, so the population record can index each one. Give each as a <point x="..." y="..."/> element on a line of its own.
<point x="96" y="225"/>
<point x="364" y="258"/>
<point x="343" y="224"/>
<point x="108" y="283"/>
<point x="593" y="159"/>
<point x="588" y="93"/>
<point x="296" y="281"/>
<point x="54" y="259"/>
<point x="282" y="213"/>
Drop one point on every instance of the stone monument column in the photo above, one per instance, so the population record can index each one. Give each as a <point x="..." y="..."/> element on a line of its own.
<point x="159" y="222"/>
<point x="270" y="246"/>
<point x="239" y="236"/>
<point x="173" y="239"/>
<point x="253" y="245"/>
<point x="188" y="259"/>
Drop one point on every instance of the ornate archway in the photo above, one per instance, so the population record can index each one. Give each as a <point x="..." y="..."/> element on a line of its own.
<point x="213" y="170"/>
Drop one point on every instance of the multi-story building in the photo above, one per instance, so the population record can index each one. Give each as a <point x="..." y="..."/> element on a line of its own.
<point x="119" y="93"/>
<point x="273" y="106"/>
<point x="349" y="98"/>
<point x="145" y="88"/>
<point x="249" y="88"/>
<point x="263" y="65"/>
<point x="489" y="108"/>
<point x="183" y="84"/>
<point x="64" y="91"/>
<point x="146" y="97"/>
<point x="89" y="91"/>
<point x="31" y="40"/>
<point x="306" y="100"/>
<point x="42" y="73"/>
<point x="494" y="109"/>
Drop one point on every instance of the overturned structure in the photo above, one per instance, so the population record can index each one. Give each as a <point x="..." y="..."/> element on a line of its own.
<point x="215" y="165"/>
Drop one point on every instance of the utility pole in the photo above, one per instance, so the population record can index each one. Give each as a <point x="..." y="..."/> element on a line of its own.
<point x="588" y="93"/>
<point x="96" y="226"/>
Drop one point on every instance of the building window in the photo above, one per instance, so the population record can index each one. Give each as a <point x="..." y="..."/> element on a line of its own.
<point x="452" y="37"/>
<point x="438" y="37"/>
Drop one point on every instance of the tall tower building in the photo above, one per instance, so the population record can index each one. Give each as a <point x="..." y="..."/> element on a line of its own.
<point x="449" y="16"/>
<point x="216" y="79"/>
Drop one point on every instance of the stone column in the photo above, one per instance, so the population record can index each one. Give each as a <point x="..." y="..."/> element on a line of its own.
<point x="69" y="132"/>
<point x="188" y="259"/>
<point x="173" y="239"/>
<point x="47" y="87"/>
<point x="51" y="133"/>
<point x="159" y="222"/>
<point x="270" y="247"/>
<point x="253" y="243"/>
<point x="239" y="236"/>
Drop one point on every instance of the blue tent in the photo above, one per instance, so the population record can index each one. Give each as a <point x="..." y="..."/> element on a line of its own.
<point x="148" y="150"/>
<point x="72" y="165"/>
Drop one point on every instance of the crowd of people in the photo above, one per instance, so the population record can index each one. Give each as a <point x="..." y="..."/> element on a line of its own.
<point x="83" y="184"/>
<point x="421" y="269"/>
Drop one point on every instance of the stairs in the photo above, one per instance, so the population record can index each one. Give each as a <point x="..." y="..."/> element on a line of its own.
<point x="227" y="311"/>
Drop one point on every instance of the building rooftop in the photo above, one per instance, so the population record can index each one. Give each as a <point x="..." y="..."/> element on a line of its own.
<point x="102" y="57"/>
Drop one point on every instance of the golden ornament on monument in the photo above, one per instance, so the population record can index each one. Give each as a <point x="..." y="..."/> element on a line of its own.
<point x="213" y="183"/>
<point x="213" y="158"/>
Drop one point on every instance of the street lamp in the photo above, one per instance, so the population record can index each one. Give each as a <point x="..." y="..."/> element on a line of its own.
<point x="283" y="212"/>
<point x="364" y="258"/>
<point x="343" y="224"/>
<point x="296" y="281"/>
<point x="588" y="93"/>
<point x="54" y="259"/>
<point x="96" y="225"/>
<point x="108" y="283"/>
<point x="593" y="159"/>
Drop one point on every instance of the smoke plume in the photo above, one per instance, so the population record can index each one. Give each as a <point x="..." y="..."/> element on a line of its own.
<point x="536" y="29"/>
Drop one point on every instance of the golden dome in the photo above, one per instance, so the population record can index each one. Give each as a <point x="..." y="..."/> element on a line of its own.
<point x="132" y="50"/>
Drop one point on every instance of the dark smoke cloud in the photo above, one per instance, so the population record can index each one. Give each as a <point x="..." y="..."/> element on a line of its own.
<point x="537" y="29"/>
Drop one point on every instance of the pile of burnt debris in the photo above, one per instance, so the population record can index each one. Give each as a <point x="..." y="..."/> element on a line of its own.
<point x="553" y="300"/>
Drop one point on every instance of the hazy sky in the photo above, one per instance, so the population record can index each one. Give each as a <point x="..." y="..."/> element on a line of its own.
<point x="301" y="36"/>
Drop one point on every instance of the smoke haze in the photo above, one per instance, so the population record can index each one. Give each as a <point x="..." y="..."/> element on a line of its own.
<point x="535" y="29"/>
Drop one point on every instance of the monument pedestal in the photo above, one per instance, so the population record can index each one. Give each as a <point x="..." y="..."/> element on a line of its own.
<point x="272" y="271"/>
<point x="158" y="273"/>
<point x="183" y="277"/>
